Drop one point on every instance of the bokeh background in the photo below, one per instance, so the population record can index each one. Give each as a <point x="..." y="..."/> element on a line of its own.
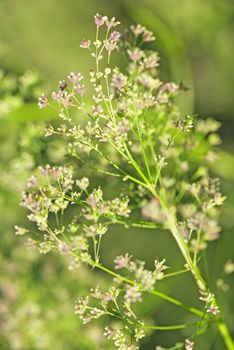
<point x="39" y="45"/>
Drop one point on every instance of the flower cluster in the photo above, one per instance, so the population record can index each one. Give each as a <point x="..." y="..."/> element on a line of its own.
<point x="50" y="198"/>
<point x="131" y="131"/>
<point x="53" y="190"/>
<point x="112" y="304"/>
<point x="144" y="280"/>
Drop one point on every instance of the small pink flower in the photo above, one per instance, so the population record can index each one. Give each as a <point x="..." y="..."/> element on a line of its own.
<point x="64" y="248"/>
<point x="99" y="20"/>
<point x="85" y="43"/>
<point x="213" y="309"/>
<point x="119" y="81"/>
<point x="56" y="173"/>
<point x="122" y="261"/>
<point x="56" y="96"/>
<point x="109" y="332"/>
<point x="110" y="45"/>
<point x="44" y="170"/>
<point x="189" y="344"/>
<point x="148" y="36"/>
<point x="80" y="89"/>
<point x="62" y="85"/>
<point x="75" y="77"/>
<point x="32" y="182"/>
<point x="97" y="110"/>
<point x="68" y="101"/>
<point x="135" y="54"/>
<point x="115" y="36"/>
<point x="111" y="23"/>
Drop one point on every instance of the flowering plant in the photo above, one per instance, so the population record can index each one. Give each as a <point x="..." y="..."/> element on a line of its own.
<point x="129" y="130"/>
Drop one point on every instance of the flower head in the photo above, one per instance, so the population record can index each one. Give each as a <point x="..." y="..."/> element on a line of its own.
<point x="85" y="43"/>
<point x="111" y="23"/>
<point x="189" y="344"/>
<point x="42" y="101"/>
<point x="115" y="36"/>
<point x="99" y="20"/>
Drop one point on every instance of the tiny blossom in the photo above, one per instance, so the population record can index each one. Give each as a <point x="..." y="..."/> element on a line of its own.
<point x="154" y="212"/>
<point x="137" y="30"/>
<point x="159" y="269"/>
<point x="152" y="61"/>
<point x="115" y="36"/>
<point x="122" y="261"/>
<point x="123" y="127"/>
<point x="111" y="23"/>
<point x="32" y="182"/>
<point x="135" y="54"/>
<point x="96" y="292"/>
<point x="110" y="45"/>
<point x="80" y="89"/>
<point x="83" y="183"/>
<point x="44" y="170"/>
<point x="62" y="85"/>
<point x="68" y="100"/>
<point x="85" y="43"/>
<point x="185" y="124"/>
<point x="206" y="296"/>
<point x="95" y="230"/>
<point x="56" y="96"/>
<point x="19" y="230"/>
<point x="161" y="161"/>
<point x="139" y="334"/>
<point x="133" y="294"/>
<point x="189" y="344"/>
<point x="64" y="248"/>
<point x="109" y="333"/>
<point x="148" y="36"/>
<point x="120" y="206"/>
<point x="213" y="309"/>
<point x="97" y="110"/>
<point x="81" y="304"/>
<point x="149" y="82"/>
<point x="72" y="77"/>
<point x="43" y="101"/>
<point x="99" y="20"/>
<point x="119" y="81"/>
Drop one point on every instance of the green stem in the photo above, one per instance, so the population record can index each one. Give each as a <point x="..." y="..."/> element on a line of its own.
<point x="184" y="250"/>
<point x="172" y="327"/>
<point x="224" y="332"/>
<point x="176" y="273"/>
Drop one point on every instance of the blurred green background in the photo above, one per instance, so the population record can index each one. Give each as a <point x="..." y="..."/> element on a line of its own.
<point x="195" y="40"/>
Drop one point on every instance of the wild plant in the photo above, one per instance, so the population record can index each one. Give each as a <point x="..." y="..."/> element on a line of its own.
<point x="123" y="127"/>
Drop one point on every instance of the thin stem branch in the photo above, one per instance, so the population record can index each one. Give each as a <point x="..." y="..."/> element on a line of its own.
<point x="153" y="292"/>
<point x="172" y="327"/>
